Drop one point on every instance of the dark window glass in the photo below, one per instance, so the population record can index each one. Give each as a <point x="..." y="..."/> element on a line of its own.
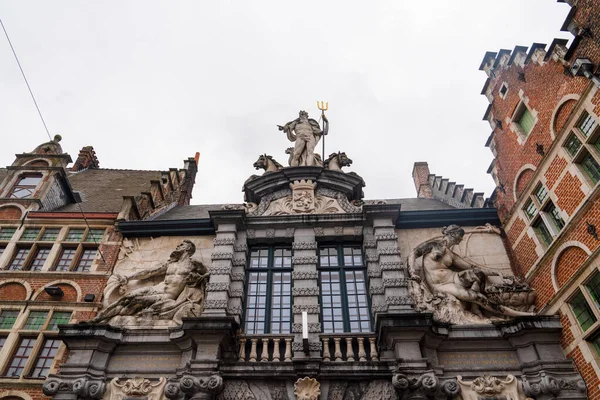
<point x="256" y="302"/>
<point x="530" y="209"/>
<point x="595" y="340"/>
<point x="587" y="124"/>
<point x="35" y="320"/>
<point x="75" y="235"/>
<point x="259" y="258"/>
<point x="541" y="193"/>
<point x="50" y="234"/>
<point x="543" y="231"/>
<point x="593" y="287"/>
<point x="282" y="258"/>
<point x="331" y="299"/>
<point x="591" y="167"/>
<point x="269" y="292"/>
<point x="94" y="235"/>
<point x="40" y="257"/>
<point x="45" y="358"/>
<point x="7" y="233"/>
<point x="86" y="260"/>
<point x="2" y="248"/>
<point x="281" y="298"/>
<point x="25" y="187"/>
<point x="19" y="258"/>
<point x="8" y="318"/>
<point x="573" y="144"/>
<point x="19" y="359"/>
<point x="65" y="259"/>
<point x="328" y="257"/>
<point x="58" y="317"/>
<point x="2" y="341"/>
<point x="344" y="301"/>
<point x="555" y="216"/>
<point x="526" y="121"/>
<point x="582" y="311"/>
<point x="30" y="234"/>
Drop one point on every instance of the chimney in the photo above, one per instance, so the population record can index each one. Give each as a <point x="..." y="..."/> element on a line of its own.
<point x="420" y="175"/>
<point x="86" y="159"/>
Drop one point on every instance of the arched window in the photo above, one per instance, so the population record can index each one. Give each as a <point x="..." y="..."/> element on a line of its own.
<point x="25" y="186"/>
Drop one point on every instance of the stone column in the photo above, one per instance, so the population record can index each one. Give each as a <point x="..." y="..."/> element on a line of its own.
<point x="217" y="301"/>
<point x="305" y="291"/>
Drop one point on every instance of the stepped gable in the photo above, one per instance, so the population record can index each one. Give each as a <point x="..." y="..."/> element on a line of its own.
<point x="430" y="186"/>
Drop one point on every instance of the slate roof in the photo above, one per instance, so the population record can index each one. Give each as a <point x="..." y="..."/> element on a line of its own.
<point x="201" y="211"/>
<point x="102" y="190"/>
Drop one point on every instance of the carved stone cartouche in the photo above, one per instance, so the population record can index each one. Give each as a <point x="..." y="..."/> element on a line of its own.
<point x="194" y="387"/>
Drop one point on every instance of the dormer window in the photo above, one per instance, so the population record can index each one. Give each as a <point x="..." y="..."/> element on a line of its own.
<point x="25" y="186"/>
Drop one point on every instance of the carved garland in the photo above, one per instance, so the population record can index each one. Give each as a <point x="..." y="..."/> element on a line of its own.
<point x="374" y="272"/>
<point x="305" y="260"/>
<point x="398" y="300"/>
<point x="215" y="304"/>
<point x="305" y="275"/>
<point x="239" y="261"/>
<point x="220" y="270"/>
<point x="223" y="241"/>
<point x="304" y="245"/>
<point x="391" y="265"/>
<point x="377" y="290"/>
<point x="313" y="327"/>
<point x="312" y="346"/>
<point x="221" y="256"/>
<point x="217" y="286"/>
<point x="240" y="247"/>
<point x="237" y="277"/>
<point x="305" y="291"/>
<point x="395" y="282"/>
<point x="309" y="308"/>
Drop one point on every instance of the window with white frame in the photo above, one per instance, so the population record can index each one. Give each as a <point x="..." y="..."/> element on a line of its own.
<point x="544" y="215"/>
<point x="60" y="248"/>
<point x="583" y="146"/>
<point x="34" y="341"/>
<point x="523" y="119"/>
<point x="25" y="186"/>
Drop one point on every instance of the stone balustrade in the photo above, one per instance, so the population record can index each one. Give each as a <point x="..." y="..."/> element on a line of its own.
<point x="351" y="347"/>
<point x="265" y="348"/>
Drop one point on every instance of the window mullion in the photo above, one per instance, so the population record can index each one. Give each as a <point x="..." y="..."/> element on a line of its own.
<point x="343" y="291"/>
<point x="268" y="300"/>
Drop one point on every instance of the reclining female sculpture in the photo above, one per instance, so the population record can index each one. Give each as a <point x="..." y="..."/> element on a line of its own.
<point x="447" y="276"/>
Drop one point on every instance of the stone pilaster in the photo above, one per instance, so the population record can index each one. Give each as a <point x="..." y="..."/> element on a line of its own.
<point x="219" y="287"/>
<point x="305" y="290"/>
<point x="385" y="266"/>
<point x="238" y="277"/>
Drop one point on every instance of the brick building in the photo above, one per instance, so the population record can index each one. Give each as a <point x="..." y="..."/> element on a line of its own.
<point x="58" y="245"/>
<point x="544" y="113"/>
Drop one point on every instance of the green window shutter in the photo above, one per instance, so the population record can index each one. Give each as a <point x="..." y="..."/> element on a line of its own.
<point x="526" y="121"/>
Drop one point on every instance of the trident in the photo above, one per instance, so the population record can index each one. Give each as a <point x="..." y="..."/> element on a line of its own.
<point x="323" y="106"/>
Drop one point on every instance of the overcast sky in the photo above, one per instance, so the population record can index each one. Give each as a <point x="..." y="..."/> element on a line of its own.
<point x="149" y="83"/>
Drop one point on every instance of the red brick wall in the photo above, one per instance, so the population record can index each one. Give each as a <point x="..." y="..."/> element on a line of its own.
<point x="563" y="114"/>
<point x="10" y="212"/>
<point x="13" y="291"/>
<point x="70" y="294"/>
<point x="525" y="255"/>
<point x="566" y="337"/>
<point x="542" y="283"/>
<point x="515" y="230"/>
<point x="569" y="194"/>
<point x="523" y="180"/>
<point x="568" y="263"/>
<point x="587" y="372"/>
<point x="554" y="170"/>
